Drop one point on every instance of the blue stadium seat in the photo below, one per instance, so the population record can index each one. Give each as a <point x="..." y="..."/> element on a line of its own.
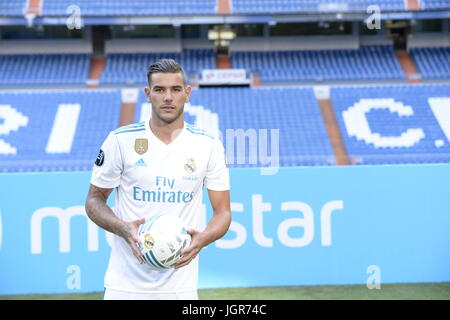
<point x="125" y="68"/>
<point x="434" y="4"/>
<point x="99" y="113"/>
<point x="300" y="6"/>
<point x="432" y="63"/>
<point x="12" y="7"/>
<point x="366" y="63"/>
<point x="44" y="69"/>
<point x="130" y="7"/>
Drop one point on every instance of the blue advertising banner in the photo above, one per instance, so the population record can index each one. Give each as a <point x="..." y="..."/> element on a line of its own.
<point x="298" y="226"/>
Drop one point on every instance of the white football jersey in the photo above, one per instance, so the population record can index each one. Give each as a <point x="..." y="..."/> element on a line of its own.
<point x="150" y="178"/>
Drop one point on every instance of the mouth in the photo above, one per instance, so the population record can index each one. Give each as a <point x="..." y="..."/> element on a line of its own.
<point x="167" y="108"/>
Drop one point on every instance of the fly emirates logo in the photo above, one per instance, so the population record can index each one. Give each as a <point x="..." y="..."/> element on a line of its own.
<point x="164" y="192"/>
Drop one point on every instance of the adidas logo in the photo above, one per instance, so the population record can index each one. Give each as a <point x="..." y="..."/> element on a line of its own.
<point x="140" y="163"/>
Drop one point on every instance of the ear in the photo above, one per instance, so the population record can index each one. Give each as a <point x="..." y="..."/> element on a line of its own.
<point x="188" y="92"/>
<point x="147" y="93"/>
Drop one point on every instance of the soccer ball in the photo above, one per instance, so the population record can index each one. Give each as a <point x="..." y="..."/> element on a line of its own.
<point x="163" y="237"/>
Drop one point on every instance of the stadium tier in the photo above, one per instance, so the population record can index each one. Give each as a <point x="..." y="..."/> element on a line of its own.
<point x="130" y="7"/>
<point x="292" y="6"/>
<point x="44" y="69"/>
<point x="432" y="63"/>
<point x="124" y="68"/>
<point x="394" y="124"/>
<point x="260" y="127"/>
<point x="366" y="63"/>
<point x="12" y="7"/>
<point x="55" y="130"/>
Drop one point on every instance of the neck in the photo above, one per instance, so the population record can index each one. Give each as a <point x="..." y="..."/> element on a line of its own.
<point x="166" y="132"/>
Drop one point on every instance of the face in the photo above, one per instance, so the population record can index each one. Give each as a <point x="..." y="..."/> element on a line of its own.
<point x="168" y="94"/>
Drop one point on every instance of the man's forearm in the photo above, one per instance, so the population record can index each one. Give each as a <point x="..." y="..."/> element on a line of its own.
<point x="102" y="215"/>
<point x="217" y="227"/>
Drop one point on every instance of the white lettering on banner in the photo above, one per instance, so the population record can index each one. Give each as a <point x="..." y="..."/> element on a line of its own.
<point x="74" y="280"/>
<point x="224" y="76"/>
<point x="12" y="121"/>
<point x="325" y="219"/>
<point x="64" y="218"/>
<point x="258" y="207"/>
<point x="357" y="126"/>
<point x="307" y="222"/>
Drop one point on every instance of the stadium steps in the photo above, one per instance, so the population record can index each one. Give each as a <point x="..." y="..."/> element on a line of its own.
<point x="334" y="134"/>
<point x="223" y="61"/>
<point x="129" y="98"/>
<point x="223" y="7"/>
<point x="97" y="67"/>
<point x="412" y="5"/>
<point x="34" y="7"/>
<point x="408" y="66"/>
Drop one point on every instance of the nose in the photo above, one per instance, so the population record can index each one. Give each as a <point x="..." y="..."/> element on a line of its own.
<point x="168" y="96"/>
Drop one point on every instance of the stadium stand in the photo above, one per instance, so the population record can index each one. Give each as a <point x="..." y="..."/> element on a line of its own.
<point x="366" y="63"/>
<point x="12" y="7"/>
<point x="433" y="63"/>
<point x="26" y="147"/>
<point x="292" y="6"/>
<point x="401" y="123"/>
<point x="125" y="68"/>
<point x="131" y="7"/>
<point x="44" y="69"/>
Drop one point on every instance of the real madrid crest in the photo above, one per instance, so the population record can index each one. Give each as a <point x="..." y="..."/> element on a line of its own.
<point x="141" y="146"/>
<point x="149" y="242"/>
<point x="190" y="166"/>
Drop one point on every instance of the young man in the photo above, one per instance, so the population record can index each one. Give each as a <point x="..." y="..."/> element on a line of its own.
<point x="158" y="166"/>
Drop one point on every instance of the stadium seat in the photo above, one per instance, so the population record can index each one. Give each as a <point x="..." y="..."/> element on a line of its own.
<point x="432" y="63"/>
<point x="12" y="7"/>
<point x="366" y="63"/>
<point x="130" y="7"/>
<point x="300" y="6"/>
<point x="44" y="69"/>
<point x="99" y="113"/>
<point x="124" y="68"/>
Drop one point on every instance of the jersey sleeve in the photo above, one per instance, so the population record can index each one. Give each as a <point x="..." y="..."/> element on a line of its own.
<point x="217" y="175"/>
<point x="107" y="168"/>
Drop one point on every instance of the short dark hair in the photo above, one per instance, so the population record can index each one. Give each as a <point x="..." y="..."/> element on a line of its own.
<point x="165" y="66"/>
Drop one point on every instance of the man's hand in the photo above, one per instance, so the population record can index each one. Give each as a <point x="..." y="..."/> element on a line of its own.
<point x="216" y="228"/>
<point x="129" y="232"/>
<point x="194" y="248"/>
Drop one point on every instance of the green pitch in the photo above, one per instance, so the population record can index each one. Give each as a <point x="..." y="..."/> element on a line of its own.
<point x="404" y="291"/>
